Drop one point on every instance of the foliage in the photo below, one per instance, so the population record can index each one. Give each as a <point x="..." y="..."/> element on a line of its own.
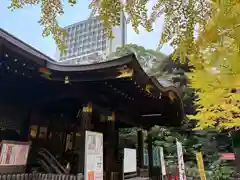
<point x="127" y="137"/>
<point x="209" y="142"/>
<point x="147" y="58"/>
<point x="217" y="68"/>
<point x="191" y="170"/>
<point x="50" y="10"/>
<point x="217" y="105"/>
<point x="220" y="171"/>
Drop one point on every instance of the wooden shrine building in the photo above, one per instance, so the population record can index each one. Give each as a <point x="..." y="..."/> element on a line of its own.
<point x="46" y="102"/>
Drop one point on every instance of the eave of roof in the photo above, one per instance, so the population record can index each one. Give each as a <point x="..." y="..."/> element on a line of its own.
<point x="8" y="38"/>
<point x="42" y="60"/>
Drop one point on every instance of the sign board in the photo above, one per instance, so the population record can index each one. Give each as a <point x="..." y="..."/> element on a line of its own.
<point x="181" y="167"/>
<point x="163" y="168"/>
<point x="130" y="160"/>
<point x="200" y="166"/>
<point x="14" y="154"/>
<point x="156" y="156"/>
<point x="227" y="156"/>
<point x="93" y="169"/>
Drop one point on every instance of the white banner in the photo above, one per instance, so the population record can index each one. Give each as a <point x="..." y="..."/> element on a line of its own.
<point x="163" y="168"/>
<point x="181" y="167"/>
<point x="130" y="160"/>
<point x="93" y="169"/>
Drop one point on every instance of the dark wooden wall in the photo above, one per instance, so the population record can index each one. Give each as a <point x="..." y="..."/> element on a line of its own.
<point x="13" y="115"/>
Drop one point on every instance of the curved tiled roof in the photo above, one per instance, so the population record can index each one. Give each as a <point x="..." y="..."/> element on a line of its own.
<point x="78" y="73"/>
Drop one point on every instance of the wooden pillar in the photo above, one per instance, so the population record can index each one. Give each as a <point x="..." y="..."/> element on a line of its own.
<point x="111" y="146"/>
<point x="1" y="58"/>
<point x="140" y="146"/>
<point x="116" y="143"/>
<point x="24" y="132"/>
<point x="150" y="154"/>
<point x="236" y="145"/>
<point x="118" y="156"/>
<point x="85" y="124"/>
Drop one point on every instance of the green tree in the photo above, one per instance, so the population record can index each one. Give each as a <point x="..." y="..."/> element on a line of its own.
<point x="209" y="142"/>
<point x="220" y="171"/>
<point x="147" y="58"/>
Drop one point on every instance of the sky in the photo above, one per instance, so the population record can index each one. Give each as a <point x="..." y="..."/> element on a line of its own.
<point x="23" y="24"/>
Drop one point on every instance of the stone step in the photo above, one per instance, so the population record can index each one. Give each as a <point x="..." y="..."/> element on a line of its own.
<point x="138" y="178"/>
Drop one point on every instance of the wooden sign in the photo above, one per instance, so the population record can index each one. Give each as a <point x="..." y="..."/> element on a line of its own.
<point x="200" y="166"/>
<point x="14" y="153"/>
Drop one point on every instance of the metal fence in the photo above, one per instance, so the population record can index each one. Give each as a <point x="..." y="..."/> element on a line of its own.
<point x="40" y="176"/>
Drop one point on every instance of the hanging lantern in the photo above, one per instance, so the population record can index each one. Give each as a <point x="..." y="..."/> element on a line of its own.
<point x="45" y="73"/>
<point x="43" y="70"/>
<point x="160" y="96"/>
<point x="89" y="107"/>
<point x="66" y="81"/>
<point x="148" y="88"/>
<point x="125" y="73"/>
<point x="172" y="96"/>
<point x="112" y="117"/>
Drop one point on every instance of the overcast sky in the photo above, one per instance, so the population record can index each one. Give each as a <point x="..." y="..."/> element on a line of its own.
<point x="24" y="25"/>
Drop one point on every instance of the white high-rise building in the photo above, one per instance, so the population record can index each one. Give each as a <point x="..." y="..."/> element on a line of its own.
<point x="87" y="41"/>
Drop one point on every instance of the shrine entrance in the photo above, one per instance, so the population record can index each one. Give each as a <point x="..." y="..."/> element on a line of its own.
<point x="52" y="106"/>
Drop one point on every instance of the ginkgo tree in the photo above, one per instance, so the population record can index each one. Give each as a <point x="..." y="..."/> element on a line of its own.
<point x="217" y="68"/>
<point x="207" y="31"/>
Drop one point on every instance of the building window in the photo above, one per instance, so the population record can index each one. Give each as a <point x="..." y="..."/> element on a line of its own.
<point x="104" y="36"/>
